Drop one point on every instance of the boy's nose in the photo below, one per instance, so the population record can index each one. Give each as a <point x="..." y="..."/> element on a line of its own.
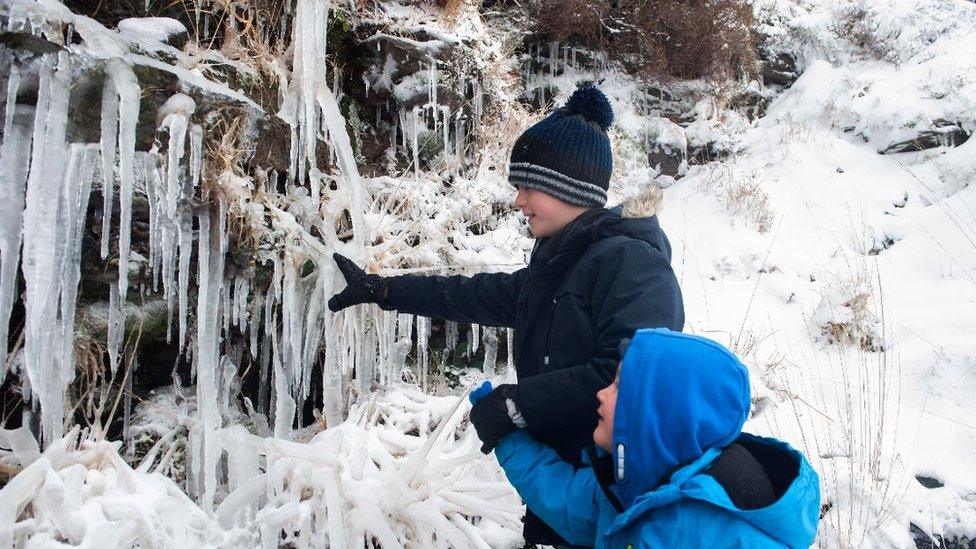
<point x="520" y="197"/>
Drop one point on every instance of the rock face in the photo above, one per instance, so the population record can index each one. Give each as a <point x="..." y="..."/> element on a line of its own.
<point x="943" y="133"/>
<point x="667" y="147"/>
<point x="778" y="69"/>
<point x="924" y="541"/>
<point x="405" y="96"/>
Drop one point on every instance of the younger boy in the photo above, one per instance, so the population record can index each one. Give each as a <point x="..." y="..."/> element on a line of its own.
<point x="677" y="471"/>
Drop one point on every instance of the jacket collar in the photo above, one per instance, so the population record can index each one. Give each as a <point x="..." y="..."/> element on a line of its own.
<point x="665" y="494"/>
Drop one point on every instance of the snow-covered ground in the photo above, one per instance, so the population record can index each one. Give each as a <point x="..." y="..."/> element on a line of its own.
<point x="844" y="278"/>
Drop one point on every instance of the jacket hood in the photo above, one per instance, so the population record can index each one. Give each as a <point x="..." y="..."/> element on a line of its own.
<point x="791" y="520"/>
<point x="679" y="395"/>
<point x="636" y="217"/>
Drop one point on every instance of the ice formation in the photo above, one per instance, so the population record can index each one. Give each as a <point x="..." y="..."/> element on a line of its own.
<point x="287" y="325"/>
<point x="45" y="215"/>
<point x="14" y="163"/>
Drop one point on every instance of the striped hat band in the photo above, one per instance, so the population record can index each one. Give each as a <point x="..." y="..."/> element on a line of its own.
<point x="561" y="186"/>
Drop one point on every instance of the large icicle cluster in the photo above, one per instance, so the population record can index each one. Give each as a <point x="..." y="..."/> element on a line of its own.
<point x="439" y="488"/>
<point x="52" y="219"/>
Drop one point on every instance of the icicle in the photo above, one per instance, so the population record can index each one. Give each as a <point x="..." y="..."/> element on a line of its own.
<point x="309" y="45"/>
<point x="171" y="229"/>
<point x="432" y="81"/>
<point x="284" y="410"/>
<point x="478" y="108"/>
<point x="124" y="84"/>
<point x="116" y="324"/>
<point x="510" y="349"/>
<point x="459" y="141"/>
<point x="396" y="130"/>
<point x="131" y="361"/>
<point x="155" y="224"/>
<point x="81" y="170"/>
<point x="389" y="340"/>
<point x="404" y="343"/>
<point x="366" y="361"/>
<point x="292" y="326"/>
<point x="242" y="291"/>
<point x="254" y="325"/>
<point x="332" y="373"/>
<point x="474" y="340"/>
<point x="339" y="138"/>
<point x="169" y="238"/>
<point x="423" y="335"/>
<point x="184" y="237"/>
<point x="44" y="228"/>
<point x="450" y="335"/>
<point x="313" y="315"/>
<point x="414" y="128"/>
<point x="225" y="307"/>
<point x="446" y="136"/>
<point x="491" y="350"/>
<point x="210" y="275"/>
<point x="14" y="164"/>
<point x="196" y="154"/>
<point x="175" y="113"/>
<point x="109" y="141"/>
<point x="284" y="404"/>
<point x="270" y="324"/>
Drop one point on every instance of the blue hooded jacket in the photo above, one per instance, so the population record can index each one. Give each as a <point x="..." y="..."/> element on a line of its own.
<point x="681" y="400"/>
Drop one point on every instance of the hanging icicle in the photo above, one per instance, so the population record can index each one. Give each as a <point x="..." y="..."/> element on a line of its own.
<point x="14" y="164"/>
<point x="44" y="244"/>
<point x="210" y="269"/>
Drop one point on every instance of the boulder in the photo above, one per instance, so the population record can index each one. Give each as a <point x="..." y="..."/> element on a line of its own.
<point x="667" y="147"/>
<point x="778" y="69"/>
<point x="943" y="133"/>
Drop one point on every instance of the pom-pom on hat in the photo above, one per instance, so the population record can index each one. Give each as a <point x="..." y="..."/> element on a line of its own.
<point x="567" y="154"/>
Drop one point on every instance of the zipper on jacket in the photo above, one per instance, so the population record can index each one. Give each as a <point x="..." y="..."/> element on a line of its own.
<point x="552" y="316"/>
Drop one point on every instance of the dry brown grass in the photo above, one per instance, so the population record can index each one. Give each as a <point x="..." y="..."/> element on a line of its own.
<point x="658" y="38"/>
<point x="746" y="197"/>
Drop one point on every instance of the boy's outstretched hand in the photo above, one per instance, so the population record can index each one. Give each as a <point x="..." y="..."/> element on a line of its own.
<point x="492" y="413"/>
<point x="360" y="286"/>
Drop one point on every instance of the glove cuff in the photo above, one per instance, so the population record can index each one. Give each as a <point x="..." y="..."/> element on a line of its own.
<point x="514" y="414"/>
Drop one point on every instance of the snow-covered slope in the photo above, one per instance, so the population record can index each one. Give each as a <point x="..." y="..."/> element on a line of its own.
<point x="847" y="278"/>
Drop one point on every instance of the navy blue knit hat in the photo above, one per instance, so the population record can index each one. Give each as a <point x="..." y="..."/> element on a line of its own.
<point x="567" y="154"/>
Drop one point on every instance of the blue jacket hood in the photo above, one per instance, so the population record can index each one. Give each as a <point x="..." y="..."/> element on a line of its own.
<point x="790" y="521"/>
<point x="679" y="395"/>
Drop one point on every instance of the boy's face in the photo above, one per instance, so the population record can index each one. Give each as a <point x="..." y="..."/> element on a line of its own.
<point x="546" y="214"/>
<point x="603" y="434"/>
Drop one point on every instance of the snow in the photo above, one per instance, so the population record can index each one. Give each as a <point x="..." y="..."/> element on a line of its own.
<point x="844" y="278"/>
<point x="157" y="29"/>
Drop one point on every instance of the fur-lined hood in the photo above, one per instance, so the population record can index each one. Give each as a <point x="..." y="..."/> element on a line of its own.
<point x="636" y="217"/>
<point x="648" y="202"/>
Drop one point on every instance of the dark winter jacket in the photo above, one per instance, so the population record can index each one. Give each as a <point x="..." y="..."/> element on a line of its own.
<point x="607" y="279"/>
<point x="683" y="474"/>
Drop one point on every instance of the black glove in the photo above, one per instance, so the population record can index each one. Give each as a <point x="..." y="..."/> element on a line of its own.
<point x="491" y="418"/>
<point x="360" y="287"/>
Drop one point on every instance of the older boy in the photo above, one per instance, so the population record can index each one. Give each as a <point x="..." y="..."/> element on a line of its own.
<point x="677" y="470"/>
<point x="594" y="277"/>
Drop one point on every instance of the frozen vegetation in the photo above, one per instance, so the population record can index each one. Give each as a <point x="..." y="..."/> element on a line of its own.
<point x="829" y="239"/>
